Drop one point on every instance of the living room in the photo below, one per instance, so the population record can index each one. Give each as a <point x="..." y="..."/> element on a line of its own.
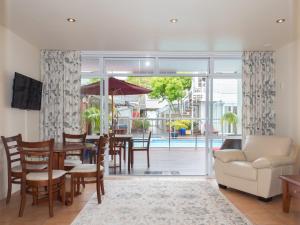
<point x="53" y="42"/>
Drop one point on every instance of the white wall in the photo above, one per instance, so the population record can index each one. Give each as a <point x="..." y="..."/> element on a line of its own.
<point x="285" y="105"/>
<point x="16" y="55"/>
<point x="288" y="85"/>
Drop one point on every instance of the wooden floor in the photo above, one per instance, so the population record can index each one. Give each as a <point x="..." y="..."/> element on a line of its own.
<point x="259" y="213"/>
<point x="176" y="161"/>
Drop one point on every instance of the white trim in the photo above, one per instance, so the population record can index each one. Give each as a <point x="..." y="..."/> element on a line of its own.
<point x="146" y="54"/>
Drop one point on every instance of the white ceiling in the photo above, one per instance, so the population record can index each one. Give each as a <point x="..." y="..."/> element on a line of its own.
<point x="143" y="25"/>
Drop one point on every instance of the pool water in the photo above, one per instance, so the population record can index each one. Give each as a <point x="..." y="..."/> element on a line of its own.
<point x="179" y="143"/>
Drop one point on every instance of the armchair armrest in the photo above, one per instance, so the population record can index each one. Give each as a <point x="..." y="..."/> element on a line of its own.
<point x="229" y="155"/>
<point x="272" y="161"/>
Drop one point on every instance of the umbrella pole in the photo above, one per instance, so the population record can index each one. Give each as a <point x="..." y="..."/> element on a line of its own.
<point x="112" y="112"/>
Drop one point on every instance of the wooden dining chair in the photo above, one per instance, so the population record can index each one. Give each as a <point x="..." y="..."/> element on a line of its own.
<point x="44" y="183"/>
<point x="115" y="151"/>
<point x="14" y="169"/>
<point x="78" y="173"/>
<point x="73" y="158"/>
<point x="121" y="144"/>
<point x="144" y="147"/>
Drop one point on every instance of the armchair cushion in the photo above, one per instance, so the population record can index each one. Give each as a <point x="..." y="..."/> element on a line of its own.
<point x="229" y="155"/>
<point x="264" y="146"/>
<point x="241" y="169"/>
<point x="272" y="161"/>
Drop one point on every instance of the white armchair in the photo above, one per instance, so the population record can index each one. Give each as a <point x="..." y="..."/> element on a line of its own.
<point x="256" y="168"/>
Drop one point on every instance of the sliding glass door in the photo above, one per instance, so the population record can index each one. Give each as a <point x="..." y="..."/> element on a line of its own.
<point x="200" y="110"/>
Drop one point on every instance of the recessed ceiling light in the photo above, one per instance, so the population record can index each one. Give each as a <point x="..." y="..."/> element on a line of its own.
<point x="174" y="20"/>
<point x="280" y="20"/>
<point x="71" y="20"/>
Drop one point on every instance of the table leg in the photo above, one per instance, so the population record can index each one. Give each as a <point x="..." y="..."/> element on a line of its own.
<point x="124" y="154"/>
<point x="286" y="197"/>
<point x="129" y="155"/>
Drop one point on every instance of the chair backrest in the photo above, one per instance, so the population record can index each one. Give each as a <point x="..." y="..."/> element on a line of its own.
<point x="103" y="140"/>
<point x="11" y="150"/>
<point x="120" y="131"/>
<point x="36" y="157"/>
<point x="73" y="139"/>
<point x="262" y="146"/>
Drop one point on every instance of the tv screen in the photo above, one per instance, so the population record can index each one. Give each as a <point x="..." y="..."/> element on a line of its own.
<point x="27" y="93"/>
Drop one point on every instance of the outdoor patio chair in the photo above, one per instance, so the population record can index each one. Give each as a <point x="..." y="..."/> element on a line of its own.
<point x="144" y="147"/>
<point x="115" y="151"/>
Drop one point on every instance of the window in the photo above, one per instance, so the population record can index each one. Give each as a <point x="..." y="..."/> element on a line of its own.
<point x="179" y="67"/>
<point x="227" y="66"/>
<point x="129" y="66"/>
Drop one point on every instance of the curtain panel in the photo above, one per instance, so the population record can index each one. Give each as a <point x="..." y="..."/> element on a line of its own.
<point x="258" y="93"/>
<point x="60" y="111"/>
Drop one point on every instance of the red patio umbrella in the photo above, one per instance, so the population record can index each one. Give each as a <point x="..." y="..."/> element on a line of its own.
<point x="115" y="87"/>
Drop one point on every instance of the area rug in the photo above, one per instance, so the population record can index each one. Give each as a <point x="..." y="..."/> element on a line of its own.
<point x="160" y="201"/>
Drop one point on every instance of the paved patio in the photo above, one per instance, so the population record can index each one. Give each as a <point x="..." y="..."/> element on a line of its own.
<point x="176" y="161"/>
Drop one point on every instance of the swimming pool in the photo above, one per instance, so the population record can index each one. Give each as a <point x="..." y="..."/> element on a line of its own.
<point x="179" y="143"/>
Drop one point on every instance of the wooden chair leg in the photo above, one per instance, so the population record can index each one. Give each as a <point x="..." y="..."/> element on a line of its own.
<point x="98" y="190"/>
<point x="132" y="159"/>
<point x="34" y="195"/>
<point x="9" y="187"/>
<point x="124" y="158"/>
<point x="82" y="181"/>
<point x="102" y="186"/>
<point x="50" y="200"/>
<point x="63" y="191"/>
<point x="72" y="189"/>
<point x="120" y="161"/>
<point x="78" y="185"/>
<point x="148" y="159"/>
<point x="23" y="199"/>
<point x="115" y="164"/>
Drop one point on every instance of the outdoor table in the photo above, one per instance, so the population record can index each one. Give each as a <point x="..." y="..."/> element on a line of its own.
<point x="127" y="138"/>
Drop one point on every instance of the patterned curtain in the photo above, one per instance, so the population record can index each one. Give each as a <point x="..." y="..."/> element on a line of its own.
<point x="60" y="110"/>
<point x="258" y="93"/>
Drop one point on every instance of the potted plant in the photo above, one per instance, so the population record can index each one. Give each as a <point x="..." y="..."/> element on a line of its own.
<point x="231" y="119"/>
<point x="140" y="125"/>
<point x="178" y="127"/>
<point x="92" y="116"/>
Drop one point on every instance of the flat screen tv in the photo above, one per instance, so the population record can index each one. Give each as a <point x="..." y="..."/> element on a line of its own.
<point x="27" y="93"/>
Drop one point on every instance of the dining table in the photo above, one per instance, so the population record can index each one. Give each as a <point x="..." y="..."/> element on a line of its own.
<point x="60" y="149"/>
<point x="126" y="138"/>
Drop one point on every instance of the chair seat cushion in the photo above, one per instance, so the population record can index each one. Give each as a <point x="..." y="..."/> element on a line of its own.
<point x="72" y="162"/>
<point x="241" y="169"/>
<point x="39" y="176"/>
<point x="18" y="169"/>
<point x="85" y="168"/>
